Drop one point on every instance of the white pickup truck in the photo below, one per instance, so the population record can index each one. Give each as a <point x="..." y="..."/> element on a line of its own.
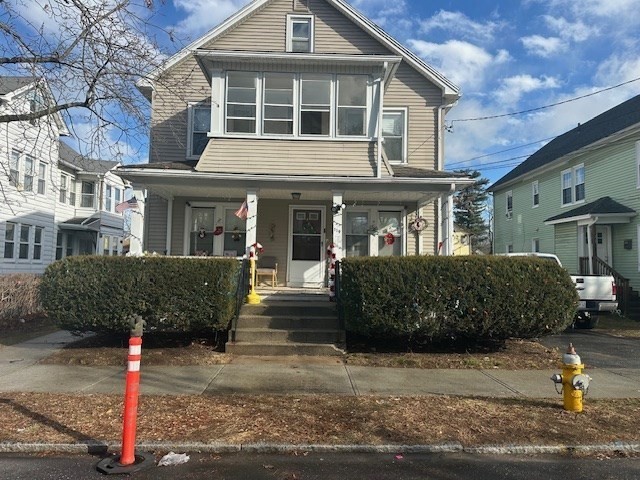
<point x="597" y="293"/>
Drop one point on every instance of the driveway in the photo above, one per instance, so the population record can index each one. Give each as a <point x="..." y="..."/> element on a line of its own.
<point x="598" y="349"/>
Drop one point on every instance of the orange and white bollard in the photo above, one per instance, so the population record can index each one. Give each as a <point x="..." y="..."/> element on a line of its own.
<point x="130" y="461"/>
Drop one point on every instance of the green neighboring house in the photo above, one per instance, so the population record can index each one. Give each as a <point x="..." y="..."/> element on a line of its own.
<point x="578" y="197"/>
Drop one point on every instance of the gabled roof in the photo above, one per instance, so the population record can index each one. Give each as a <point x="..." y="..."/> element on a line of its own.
<point x="449" y="89"/>
<point x="82" y="163"/>
<point x="603" y="206"/>
<point x="615" y="120"/>
<point x="11" y="84"/>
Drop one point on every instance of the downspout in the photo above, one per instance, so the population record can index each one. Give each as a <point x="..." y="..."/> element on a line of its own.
<point x="590" y="243"/>
<point x="380" y="115"/>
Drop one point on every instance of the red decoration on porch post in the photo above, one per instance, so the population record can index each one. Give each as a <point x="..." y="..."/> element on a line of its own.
<point x="331" y="253"/>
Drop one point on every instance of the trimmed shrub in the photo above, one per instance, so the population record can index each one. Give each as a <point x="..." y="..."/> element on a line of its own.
<point x="90" y="293"/>
<point x="19" y="296"/>
<point x="455" y="298"/>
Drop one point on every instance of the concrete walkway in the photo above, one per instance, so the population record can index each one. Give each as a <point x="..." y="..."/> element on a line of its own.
<point x="19" y="371"/>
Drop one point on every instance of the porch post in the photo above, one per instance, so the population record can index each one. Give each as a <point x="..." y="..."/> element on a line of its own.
<point x="445" y="245"/>
<point x="252" y="219"/>
<point x="591" y="231"/>
<point x="136" y="246"/>
<point x="337" y="224"/>
<point x="167" y="248"/>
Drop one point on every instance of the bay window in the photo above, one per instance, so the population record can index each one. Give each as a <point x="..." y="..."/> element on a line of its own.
<point x="241" y="102"/>
<point x="108" y="203"/>
<point x="315" y="105"/>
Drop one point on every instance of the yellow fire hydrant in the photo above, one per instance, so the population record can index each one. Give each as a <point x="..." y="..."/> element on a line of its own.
<point x="575" y="384"/>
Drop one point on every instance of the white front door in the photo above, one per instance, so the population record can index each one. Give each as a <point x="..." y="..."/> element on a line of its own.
<point x="306" y="266"/>
<point x="603" y="249"/>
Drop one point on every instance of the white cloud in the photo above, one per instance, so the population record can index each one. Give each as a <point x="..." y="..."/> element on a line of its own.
<point x="460" y="25"/>
<point x="463" y="63"/>
<point x="543" y="46"/>
<point x="513" y="88"/>
<point x="203" y="15"/>
<point x="574" y="31"/>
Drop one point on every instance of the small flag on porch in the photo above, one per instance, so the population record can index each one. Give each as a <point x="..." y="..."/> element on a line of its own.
<point x="132" y="203"/>
<point x="243" y="211"/>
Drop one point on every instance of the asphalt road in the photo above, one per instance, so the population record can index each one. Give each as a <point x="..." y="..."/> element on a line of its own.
<point x="598" y="349"/>
<point x="336" y="466"/>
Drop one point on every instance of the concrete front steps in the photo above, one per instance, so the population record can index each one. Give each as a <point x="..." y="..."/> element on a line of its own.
<point x="288" y="324"/>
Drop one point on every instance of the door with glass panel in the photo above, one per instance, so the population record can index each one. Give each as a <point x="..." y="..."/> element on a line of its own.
<point x="202" y="231"/>
<point x="306" y="247"/>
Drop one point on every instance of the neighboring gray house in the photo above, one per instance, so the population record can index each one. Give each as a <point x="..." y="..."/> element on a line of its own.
<point x="53" y="202"/>
<point x="578" y="197"/>
<point x="325" y="127"/>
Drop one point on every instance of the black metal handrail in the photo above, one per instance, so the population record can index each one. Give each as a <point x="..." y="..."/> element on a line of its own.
<point x="622" y="284"/>
<point x="242" y="289"/>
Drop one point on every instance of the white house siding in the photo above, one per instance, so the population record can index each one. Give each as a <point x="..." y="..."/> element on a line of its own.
<point x="29" y="208"/>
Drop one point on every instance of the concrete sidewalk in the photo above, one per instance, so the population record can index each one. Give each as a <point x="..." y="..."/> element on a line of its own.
<point x="19" y="371"/>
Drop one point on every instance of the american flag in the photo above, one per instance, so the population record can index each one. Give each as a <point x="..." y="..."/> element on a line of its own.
<point x="127" y="204"/>
<point x="243" y="211"/>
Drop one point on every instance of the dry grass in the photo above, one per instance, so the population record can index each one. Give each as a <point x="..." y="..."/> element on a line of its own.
<point x="322" y="419"/>
<point x="618" y="326"/>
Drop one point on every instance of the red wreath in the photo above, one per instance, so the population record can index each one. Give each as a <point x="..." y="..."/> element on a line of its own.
<point x="389" y="239"/>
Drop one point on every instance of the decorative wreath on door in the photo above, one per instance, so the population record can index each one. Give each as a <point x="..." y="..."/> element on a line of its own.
<point x="389" y="239"/>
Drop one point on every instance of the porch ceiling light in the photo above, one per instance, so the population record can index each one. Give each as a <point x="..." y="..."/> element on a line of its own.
<point x="337" y="207"/>
<point x="296" y="195"/>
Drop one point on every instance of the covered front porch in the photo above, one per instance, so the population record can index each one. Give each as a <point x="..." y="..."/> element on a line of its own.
<point x="295" y="219"/>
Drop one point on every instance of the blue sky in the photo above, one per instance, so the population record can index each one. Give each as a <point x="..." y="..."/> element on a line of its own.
<point x="505" y="56"/>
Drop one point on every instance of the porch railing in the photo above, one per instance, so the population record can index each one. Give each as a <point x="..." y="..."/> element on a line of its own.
<point x="242" y="289"/>
<point x="600" y="267"/>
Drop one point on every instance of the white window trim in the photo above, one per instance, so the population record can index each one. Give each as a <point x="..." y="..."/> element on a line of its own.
<point x="13" y="257"/>
<point x="297" y="79"/>
<point x="312" y="30"/>
<point x="42" y="178"/>
<point x="294" y="93"/>
<point x="108" y="197"/>
<point x="405" y="140"/>
<point x="508" y="211"/>
<point x="535" y="189"/>
<point x="259" y="76"/>
<point x="572" y="171"/>
<point x="220" y="210"/>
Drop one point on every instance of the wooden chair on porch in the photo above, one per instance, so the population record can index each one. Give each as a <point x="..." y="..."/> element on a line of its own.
<point x="267" y="267"/>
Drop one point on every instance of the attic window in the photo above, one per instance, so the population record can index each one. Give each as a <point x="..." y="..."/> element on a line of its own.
<point x="300" y="33"/>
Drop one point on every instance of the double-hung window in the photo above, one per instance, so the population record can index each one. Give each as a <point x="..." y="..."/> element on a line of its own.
<point x="64" y="186"/>
<point x="535" y="192"/>
<point x="278" y="104"/>
<point x="42" y="177"/>
<point x="37" y="243"/>
<point x="23" y="248"/>
<point x="509" y="204"/>
<point x="573" y="185"/>
<point x="117" y="196"/>
<point x="14" y="168"/>
<point x="394" y="129"/>
<point x="72" y="192"/>
<point x="108" y="204"/>
<point x="315" y="105"/>
<point x="29" y="164"/>
<point x="352" y="105"/>
<point x="88" y="195"/>
<point x="357" y="234"/>
<point x="241" y="102"/>
<point x="9" y="239"/>
<point x="200" y="121"/>
<point x="300" y="33"/>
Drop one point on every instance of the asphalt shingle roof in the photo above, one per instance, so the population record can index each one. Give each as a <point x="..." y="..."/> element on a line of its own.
<point x="10" y="84"/>
<point x="604" y="125"/>
<point x="604" y="205"/>
<point x="85" y="164"/>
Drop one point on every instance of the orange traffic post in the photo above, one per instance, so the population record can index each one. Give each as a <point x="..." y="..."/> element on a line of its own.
<point x="130" y="460"/>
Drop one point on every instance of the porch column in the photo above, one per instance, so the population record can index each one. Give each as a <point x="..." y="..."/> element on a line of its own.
<point x="591" y="246"/>
<point x="252" y="219"/>
<point x="337" y="223"/>
<point x="136" y="246"/>
<point x="167" y="248"/>
<point x="445" y="246"/>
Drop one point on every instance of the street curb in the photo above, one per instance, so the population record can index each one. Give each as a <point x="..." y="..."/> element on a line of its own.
<point x="454" y="447"/>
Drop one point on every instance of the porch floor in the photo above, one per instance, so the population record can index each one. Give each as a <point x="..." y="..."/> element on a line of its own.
<point x="293" y="293"/>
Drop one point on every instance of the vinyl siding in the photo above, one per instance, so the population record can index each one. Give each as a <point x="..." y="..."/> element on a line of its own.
<point x="226" y="155"/>
<point x="156" y="224"/>
<point x="334" y="33"/>
<point x="609" y="171"/>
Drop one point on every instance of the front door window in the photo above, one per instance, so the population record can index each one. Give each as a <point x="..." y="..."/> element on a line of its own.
<point x="389" y="234"/>
<point x="307" y="234"/>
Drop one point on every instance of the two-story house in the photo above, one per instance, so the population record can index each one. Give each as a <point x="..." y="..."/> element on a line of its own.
<point x="578" y="197"/>
<point x="53" y="203"/>
<point x="298" y="124"/>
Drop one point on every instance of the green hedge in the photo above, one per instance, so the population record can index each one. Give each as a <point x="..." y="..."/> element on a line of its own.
<point x="455" y="298"/>
<point x="90" y="293"/>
